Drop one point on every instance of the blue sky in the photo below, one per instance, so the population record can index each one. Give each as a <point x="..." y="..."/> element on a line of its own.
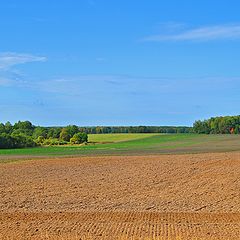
<point x="99" y="62"/>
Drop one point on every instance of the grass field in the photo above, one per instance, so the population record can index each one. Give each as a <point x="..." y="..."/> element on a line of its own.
<point x="118" y="137"/>
<point x="135" y="144"/>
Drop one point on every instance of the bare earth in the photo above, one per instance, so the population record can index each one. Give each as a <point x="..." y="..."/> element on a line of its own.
<point x="144" y="197"/>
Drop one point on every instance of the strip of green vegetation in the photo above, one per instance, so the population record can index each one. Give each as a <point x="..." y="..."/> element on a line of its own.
<point x="118" y="137"/>
<point x="156" y="144"/>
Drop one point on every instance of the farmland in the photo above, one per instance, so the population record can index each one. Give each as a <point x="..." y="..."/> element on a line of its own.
<point x="132" y="144"/>
<point x="123" y="186"/>
<point x="187" y="196"/>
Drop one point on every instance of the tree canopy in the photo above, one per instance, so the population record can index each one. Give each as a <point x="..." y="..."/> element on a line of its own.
<point x="218" y="125"/>
<point x="25" y="134"/>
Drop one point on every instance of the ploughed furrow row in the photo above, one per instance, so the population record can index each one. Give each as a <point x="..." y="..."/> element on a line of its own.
<point x="119" y="225"/>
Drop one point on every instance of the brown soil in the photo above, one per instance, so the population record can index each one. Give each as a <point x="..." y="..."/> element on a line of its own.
<point x="144" y="197"/>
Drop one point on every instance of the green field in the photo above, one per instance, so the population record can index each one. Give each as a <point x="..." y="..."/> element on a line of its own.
<point x="118" y="137"/>
<point x="133" y="144"/>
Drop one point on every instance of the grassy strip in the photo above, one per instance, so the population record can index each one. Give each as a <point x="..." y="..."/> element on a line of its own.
<point x="155" y="144"/>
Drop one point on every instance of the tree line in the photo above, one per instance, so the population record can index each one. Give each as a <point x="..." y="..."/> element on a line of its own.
<point x="25" y="134"/>
<point x="218" y="125"/>
<point x="135" y="129"/>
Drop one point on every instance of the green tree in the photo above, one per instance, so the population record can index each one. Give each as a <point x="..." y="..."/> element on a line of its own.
<point x="72" y="129"/>
<point x="25" y="127"/>
<point x="8" y="127"/>
<point x="40" y="131"/>
<point x="54" y="132"/>
<point x="65" y="135"/>
<point x="6" y="141"/>
<point x="40" y="140"/>
<point x="2" y="128"/>
<point x="79" y="138"/>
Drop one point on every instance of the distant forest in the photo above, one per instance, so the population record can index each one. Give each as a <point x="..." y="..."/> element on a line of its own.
<point x="25" y="134"/>
<point x="218" y="125"/>
<point x="136" y="129"/>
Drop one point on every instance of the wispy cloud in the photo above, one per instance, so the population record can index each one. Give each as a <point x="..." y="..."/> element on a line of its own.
<point x="12" y="79"/>
<point x="116" y="85"/>
<point x="127" y="98"/>
<point x="9" y="59"/>
<point x="205" y="33"/>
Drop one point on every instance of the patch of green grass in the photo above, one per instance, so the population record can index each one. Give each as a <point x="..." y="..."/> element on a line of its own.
<point x="118" y="137"/>
<point x="134" y="145"/>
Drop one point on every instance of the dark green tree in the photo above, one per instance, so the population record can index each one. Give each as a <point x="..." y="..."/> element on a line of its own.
<point x="79" y="138"/>
<point x="65" y="135"/>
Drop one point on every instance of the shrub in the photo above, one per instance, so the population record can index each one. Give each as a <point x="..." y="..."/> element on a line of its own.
<point x="54" y="141"/>
<point x="79" y="138"/>
<point x="16" y="141"/>
<point x="40" y="140"/>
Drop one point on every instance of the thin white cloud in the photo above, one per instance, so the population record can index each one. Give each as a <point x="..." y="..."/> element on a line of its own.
<point x="9" y="59"/>
<point x="207" y="33"/>
<point x="134" y="85"/>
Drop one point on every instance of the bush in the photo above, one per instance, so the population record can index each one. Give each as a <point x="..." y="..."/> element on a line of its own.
<point x="8" y="141"/>
<point x="61" y="142"/>
<point x="40" y="140"/>
<point x="21" y="141"/>
<point x="65" y="135"/>
<point x="79" y="138"/>
<point x="54" y="141"/>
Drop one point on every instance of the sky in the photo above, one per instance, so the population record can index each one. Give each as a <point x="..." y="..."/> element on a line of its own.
<point x="121" y="62"/>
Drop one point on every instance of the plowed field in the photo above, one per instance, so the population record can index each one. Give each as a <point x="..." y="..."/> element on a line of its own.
<point x="193" y="196"/>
